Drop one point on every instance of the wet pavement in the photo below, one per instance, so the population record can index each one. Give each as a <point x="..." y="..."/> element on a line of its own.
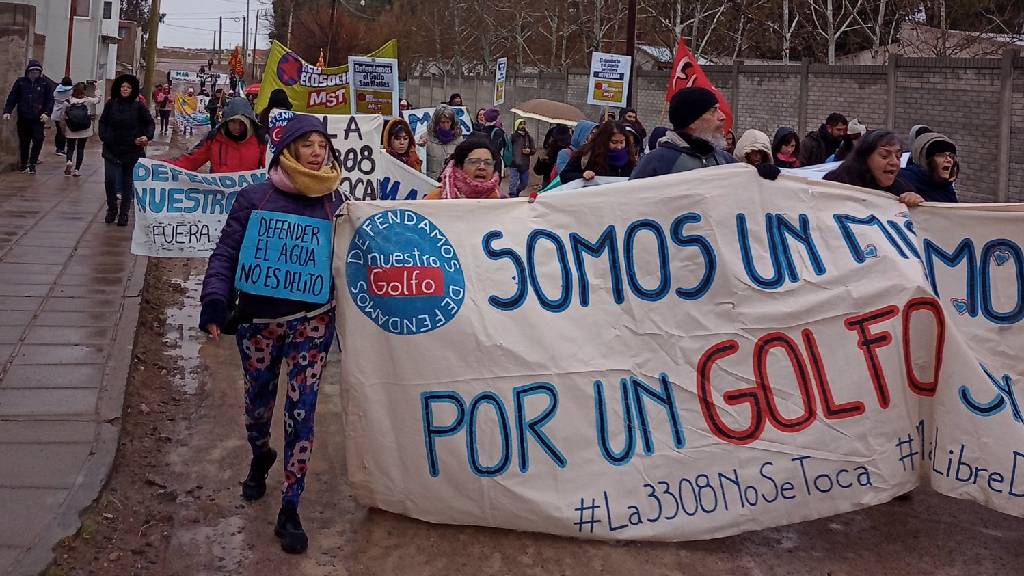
<point x="69" y="297"/>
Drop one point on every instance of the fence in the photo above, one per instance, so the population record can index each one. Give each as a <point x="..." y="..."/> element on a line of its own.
<point x="978" y="102"/>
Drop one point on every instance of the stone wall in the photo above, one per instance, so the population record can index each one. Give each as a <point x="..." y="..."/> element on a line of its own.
<point x="962" y="98"/>
<point x="17" y="40"/>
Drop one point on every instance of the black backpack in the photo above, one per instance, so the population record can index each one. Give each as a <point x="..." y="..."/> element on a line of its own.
<point x="77" y="117"/>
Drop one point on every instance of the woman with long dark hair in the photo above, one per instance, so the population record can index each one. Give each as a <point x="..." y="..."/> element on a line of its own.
<point x="875" y="164"/>
<point x="610" y="152"/>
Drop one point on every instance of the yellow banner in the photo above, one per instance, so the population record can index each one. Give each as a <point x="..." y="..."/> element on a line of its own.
<point x="310" y="89"/>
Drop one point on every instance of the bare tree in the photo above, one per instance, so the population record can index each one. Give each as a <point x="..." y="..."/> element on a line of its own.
<point x="832" y="19"/>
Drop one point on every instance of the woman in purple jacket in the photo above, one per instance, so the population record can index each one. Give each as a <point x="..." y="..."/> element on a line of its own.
<point x="303" y="179"/>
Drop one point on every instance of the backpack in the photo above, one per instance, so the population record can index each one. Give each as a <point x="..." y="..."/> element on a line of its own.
<point x="501" y="144"/>
<point x="77" y="117"/>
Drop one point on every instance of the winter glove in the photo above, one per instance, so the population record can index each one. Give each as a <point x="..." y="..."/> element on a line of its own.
<point x="7" y="116"/>
<point x="215" y="311"/>
<point x="768" y="171"/>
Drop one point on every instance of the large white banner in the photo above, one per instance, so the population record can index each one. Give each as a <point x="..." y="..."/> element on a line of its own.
<point x="178" y="213"/>
<point x="972" y="446"/>
<point x="181" y="213"/>
<point x="717" y="354"/>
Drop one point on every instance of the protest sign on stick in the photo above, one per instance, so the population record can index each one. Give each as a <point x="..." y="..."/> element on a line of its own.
<point x="374" y="85"/>
<point x="609" y="79"/>
<point x="500" y="73"/>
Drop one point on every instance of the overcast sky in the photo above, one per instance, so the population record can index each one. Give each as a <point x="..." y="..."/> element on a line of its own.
<point x="192" y="23"/>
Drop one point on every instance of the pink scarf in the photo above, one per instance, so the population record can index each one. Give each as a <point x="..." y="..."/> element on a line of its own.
<point x="279" y="178"/>
<point x="457" y="184"/>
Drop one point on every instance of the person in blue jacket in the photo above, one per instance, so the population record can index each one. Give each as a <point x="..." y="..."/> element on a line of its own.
<point x="32" y="96"/>
<point x="934" y="168"/>
<point x="303" y="179"/>
<point x="580" y="137"/>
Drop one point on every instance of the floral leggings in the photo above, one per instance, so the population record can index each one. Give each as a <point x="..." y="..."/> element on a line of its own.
<point x="303" y="344"/>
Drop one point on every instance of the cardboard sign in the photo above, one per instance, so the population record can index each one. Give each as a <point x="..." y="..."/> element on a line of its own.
<point x="374" y="85"/>
<point x="609" y="79"/>
<point x="180" y="213"/>
<point x="499" y="81"/>
<point x="719" y="354"/>
<point x="286" y="256"/>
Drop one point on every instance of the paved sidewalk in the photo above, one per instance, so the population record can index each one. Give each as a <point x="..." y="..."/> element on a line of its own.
<point x="69" y="302"/>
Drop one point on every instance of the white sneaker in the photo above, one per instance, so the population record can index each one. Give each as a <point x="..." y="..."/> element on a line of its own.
<point x="76" y="174"/>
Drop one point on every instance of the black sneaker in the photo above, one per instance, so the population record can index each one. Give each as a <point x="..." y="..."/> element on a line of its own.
<point x="289" y="530"/>
<point x="23" y="168"/>
<point x="122" y="219"/>
<point x="111" y="216"/>
<point x="255" y="484"/>
<point x="32" y="169"/>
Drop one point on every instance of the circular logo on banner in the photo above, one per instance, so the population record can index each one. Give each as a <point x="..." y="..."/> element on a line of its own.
<point x="289" y="69"/>
<point x="403" y="273"/>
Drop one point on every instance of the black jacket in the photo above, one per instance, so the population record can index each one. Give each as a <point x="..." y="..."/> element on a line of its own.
<point x="817" y="146"/>
<point x="124" y="120"/>
<point x="932" y="190"/>
<point x="32" y="98"/>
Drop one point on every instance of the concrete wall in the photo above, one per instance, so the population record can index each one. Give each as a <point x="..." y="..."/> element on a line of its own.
<point x="968" y="99"/>
<point x="17" y="39"/>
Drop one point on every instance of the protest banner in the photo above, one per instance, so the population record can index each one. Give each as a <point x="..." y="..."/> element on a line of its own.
<point x="419" y="119"/>
<point x="609" y="79"/>
<point x="286" y="256"/>
<point x="499" y="81"/>
<point x="180" y="213"/>
<point x="708" y="358"/>
<point x="974" y="265"/>
<point x="374" y="85"/>
<point x="818" y="171"/>
<point x="310" y="89"/>
<point x="367" y="172"/>
<point x="191" y="110"/>
<point x="184" y="76"/>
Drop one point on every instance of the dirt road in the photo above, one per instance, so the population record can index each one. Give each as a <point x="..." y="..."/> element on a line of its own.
<point x="172" y="505"/>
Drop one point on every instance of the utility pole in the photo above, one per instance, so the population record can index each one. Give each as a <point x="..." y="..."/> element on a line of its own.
<point x="220" y="38"/>
<point x="631" y="48"/>
<point x="330" y="38"/>
<point x="255" y="37"/>
<point x="151" y="40"/>
<point x="71" y="29"/>
<point x="245" y="35"/>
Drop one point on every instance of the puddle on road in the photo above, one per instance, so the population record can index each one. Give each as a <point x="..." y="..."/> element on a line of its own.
<point x="182" y="336"/>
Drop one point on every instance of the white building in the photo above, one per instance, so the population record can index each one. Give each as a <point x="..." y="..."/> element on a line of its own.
<point x="94" y="40"/>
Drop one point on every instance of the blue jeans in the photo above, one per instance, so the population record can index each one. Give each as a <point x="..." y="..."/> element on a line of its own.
<point x="518" y="180"/>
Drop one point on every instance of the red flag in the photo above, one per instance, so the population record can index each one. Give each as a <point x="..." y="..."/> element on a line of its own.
<point x="686" y="72"/>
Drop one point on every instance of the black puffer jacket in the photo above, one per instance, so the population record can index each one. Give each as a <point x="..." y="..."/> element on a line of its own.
<point x="33" y="98"/>
<point x="124" y="120"/>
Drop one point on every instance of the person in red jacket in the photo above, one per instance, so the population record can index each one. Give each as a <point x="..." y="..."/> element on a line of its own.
<point x="238" y="143"/>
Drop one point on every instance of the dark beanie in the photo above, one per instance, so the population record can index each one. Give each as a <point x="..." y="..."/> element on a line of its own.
<point x="688" y="105"/>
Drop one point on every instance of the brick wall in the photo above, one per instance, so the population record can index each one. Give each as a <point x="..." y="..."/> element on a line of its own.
<point x="963" y="104"/>
<point x="1017" y="136"/>
<point x="958" y="97"/>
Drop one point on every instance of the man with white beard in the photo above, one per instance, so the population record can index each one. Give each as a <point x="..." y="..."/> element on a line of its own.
<point x="696" y="140"/>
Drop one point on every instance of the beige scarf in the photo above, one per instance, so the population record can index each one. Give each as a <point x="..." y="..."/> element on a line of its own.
<point x="295" y="178"/>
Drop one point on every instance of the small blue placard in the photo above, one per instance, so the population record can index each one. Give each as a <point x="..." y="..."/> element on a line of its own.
<point x="286" y="256"/>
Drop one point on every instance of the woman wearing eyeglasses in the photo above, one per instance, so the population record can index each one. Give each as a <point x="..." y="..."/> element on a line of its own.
<point x="471" y="173"/>
<point x="934" y="169"/>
